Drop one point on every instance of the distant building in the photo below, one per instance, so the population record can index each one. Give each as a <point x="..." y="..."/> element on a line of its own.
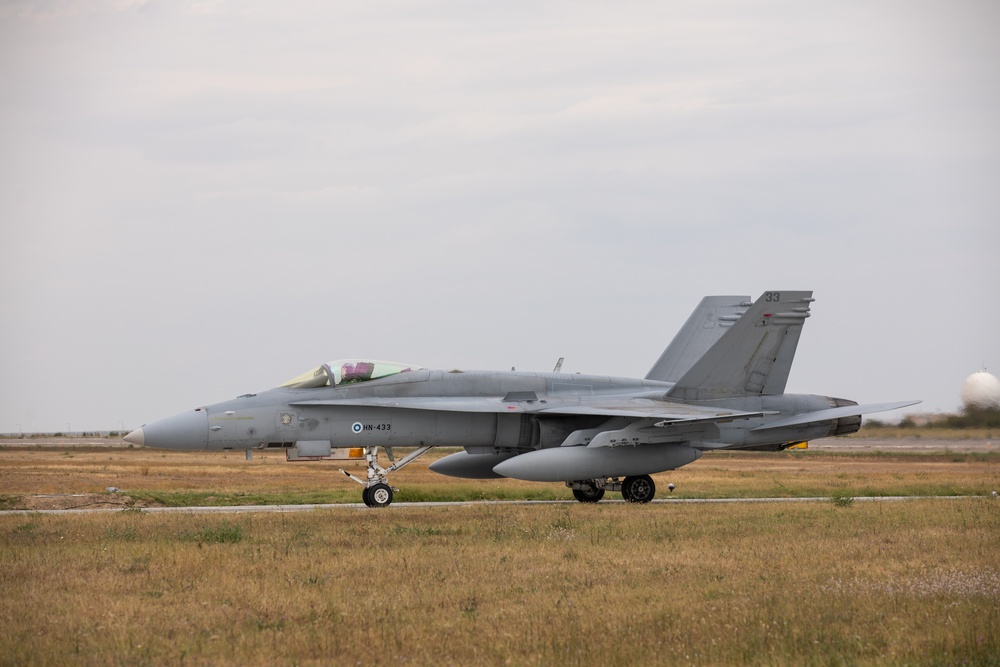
<point x="981" y="391"/>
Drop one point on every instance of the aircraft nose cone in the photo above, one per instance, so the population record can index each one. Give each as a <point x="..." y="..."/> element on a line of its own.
<point x="188" y="430"/>
<point x="136" y="437"/>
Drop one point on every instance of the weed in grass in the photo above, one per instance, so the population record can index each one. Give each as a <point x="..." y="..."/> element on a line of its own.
<point x="25" y="528"/>
<point x="315" y="579"/>
<point x="221" y="534"/>
<point x="422" y="531"/>
<point x="843" y="500"/>
<point x="117" y="532"/>
<point x="469" y="605"/>
<point x="137" y="564"/>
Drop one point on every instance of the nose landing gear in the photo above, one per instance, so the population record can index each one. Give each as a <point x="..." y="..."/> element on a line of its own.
<point x="377" y="492"/>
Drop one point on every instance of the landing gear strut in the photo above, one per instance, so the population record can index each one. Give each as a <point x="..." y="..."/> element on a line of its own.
<point x="377" y="492"/>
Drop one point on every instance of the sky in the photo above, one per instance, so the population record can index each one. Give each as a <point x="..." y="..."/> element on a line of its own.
<point x="200" y="199"/>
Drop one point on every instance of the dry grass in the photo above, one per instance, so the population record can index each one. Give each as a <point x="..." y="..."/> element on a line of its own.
<point x="916" y="582"/>
<point x="185" y="478"/>
<point x="836" y="583"/>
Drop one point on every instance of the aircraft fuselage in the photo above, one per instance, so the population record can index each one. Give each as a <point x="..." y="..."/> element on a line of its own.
<point x="719" y="384"/>
<point x="276" y="419"/>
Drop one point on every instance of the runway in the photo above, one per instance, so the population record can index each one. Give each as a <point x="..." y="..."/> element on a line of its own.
<point x="262" y="509"/>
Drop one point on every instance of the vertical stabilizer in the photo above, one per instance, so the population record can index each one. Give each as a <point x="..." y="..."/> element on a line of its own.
<point x="709" y="321"/>
<point x="754" y="356"/>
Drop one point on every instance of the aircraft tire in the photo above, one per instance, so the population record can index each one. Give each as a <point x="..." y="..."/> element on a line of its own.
<point x="365" y="497"/>
<point x="380" y="495"/>
<point x="592" y="494"/>
<point x="638" y="489"/>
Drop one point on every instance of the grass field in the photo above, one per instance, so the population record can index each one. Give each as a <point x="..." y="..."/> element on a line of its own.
<point x="173" y="478"/>
<point x="832" y="583"/>
<point x="915" y="582"/>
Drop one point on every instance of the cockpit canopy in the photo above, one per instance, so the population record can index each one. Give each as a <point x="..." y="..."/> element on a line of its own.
<point x="347" y="371"/>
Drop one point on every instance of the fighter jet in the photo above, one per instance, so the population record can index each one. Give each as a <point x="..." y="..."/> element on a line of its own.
<point x="719" y="385"/>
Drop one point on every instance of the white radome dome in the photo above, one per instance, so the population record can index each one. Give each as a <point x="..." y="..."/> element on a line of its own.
<point x="981" y="390"/>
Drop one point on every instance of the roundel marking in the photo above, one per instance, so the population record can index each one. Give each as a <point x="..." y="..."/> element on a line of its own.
<point x="356" y="427"/>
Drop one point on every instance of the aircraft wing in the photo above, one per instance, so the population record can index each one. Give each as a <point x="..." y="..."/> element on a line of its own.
<point x="665" y="412"/>
<point x="444" y="403"/>
<point x="834" y="413"/>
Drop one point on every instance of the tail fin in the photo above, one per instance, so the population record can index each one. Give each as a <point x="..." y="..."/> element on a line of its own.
<point x="754" y="356"/>
<point x="706" y="325"/>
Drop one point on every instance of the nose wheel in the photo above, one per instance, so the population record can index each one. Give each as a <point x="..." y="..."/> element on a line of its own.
<point x="379" y="495"/>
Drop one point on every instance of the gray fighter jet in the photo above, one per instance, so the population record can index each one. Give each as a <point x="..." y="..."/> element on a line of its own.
<point x="719" y="385"/>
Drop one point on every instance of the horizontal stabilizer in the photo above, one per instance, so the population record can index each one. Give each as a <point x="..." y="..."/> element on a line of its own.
<point x="834" y="413"/>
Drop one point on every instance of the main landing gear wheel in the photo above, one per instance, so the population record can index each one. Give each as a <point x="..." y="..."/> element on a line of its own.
<point x="377" y="495"/>
<point x="590" y="494"/>
<point x="638" y="489"/>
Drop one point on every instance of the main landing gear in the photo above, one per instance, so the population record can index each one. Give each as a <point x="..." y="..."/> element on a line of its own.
<point x="377" y="492"/>
<point x="637" y="489"/>
<point x="587" y="492"/>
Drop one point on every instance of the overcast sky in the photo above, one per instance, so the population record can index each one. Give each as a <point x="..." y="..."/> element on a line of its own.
<point x="202" y="199"/>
